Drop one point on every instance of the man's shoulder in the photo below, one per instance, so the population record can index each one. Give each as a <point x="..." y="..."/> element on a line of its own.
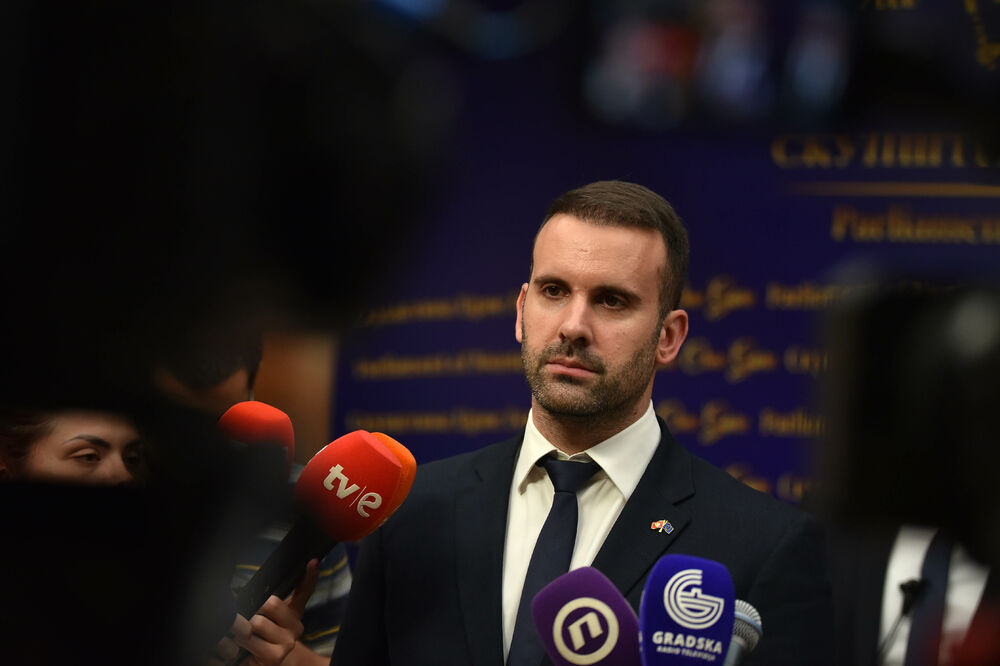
<point x="439" y="480"/>
<point x="483" y="456"/>
<point x="438" y="484"/>
<point x="717" y="486"/>
<point x="687" y="473"/>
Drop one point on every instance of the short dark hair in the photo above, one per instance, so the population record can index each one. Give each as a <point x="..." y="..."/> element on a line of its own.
<point x="621" y="204"/>
<point x="201" y="357"/>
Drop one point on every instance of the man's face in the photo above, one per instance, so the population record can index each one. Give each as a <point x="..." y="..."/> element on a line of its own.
<point x="588" y="322"/>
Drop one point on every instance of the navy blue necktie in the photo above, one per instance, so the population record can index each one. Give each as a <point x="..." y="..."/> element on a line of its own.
<point x="551" y="556"/>
<point x="924" y="643"/>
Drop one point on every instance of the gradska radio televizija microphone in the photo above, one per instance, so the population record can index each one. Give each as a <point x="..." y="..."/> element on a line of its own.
<point x="686" y="612"/>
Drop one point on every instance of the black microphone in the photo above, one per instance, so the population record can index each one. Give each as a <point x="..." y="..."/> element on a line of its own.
<point x="747" y="630"/>
<point x="912" y="590"/>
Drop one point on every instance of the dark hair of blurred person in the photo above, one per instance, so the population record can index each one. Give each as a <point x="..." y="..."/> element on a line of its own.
<point x="910" y="397"/>
<point x="210" y="369"/>
<point x="168" y="165"/>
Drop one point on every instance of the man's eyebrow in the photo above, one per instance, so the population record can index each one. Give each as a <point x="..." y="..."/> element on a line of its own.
<point x="547" y="279"/>
<point x="616" y="289"/>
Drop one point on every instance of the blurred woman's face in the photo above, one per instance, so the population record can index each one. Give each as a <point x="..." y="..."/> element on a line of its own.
<point x="86" y="447"/>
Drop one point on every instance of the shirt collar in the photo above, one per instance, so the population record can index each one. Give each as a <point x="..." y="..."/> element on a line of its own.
<point x="623" y="456"/>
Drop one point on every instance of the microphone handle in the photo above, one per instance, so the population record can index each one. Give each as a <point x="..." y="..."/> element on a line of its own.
<point x="284" y="567"/>
<point x="282" y="570"/>
<point x="737" y="650"/>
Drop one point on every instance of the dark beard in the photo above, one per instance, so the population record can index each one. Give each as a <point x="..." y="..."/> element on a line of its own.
<point x="612" y="394"/>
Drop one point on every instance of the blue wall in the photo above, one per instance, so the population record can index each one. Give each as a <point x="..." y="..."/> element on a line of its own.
<point x="776" y="208"/>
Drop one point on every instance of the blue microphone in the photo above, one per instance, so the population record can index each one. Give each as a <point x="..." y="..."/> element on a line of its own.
<point x="686" y="612"/>
<point x="583" y="619"/>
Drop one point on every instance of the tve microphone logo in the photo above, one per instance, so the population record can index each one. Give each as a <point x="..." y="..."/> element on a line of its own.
<point x="686" y="612"/>
<point x="338" y="482"/>
<point x="351" y="484"/>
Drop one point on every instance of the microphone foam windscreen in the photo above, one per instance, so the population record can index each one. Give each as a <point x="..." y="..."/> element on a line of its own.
<point x="252" y="423"/>
<point x="408" y="471"/>
<point x="349" y="484"/>
<point x="582" y="618"/>
<point x="686" y="612"/>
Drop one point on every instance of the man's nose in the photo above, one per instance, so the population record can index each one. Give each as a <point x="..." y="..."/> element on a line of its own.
<point x="576" y="323"/>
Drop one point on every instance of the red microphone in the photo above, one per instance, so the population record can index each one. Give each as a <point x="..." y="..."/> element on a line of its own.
<point x="349" y="488"/>
<point x="408" y="471"/>
<point x="252" y="423"/>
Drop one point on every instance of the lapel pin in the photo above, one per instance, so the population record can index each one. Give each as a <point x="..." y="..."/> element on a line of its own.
<point x="662" y="526"/>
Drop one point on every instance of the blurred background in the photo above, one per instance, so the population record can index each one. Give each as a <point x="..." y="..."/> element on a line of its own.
<point x="793" y="138"/>
<point x="362" y="181"/>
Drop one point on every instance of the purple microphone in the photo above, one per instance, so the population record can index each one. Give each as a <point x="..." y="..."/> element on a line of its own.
<point x="686" y="612"/>
<point x="583" y="619"/>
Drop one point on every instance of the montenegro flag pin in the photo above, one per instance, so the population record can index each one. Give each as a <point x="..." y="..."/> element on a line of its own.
<point x="662" y="525"/>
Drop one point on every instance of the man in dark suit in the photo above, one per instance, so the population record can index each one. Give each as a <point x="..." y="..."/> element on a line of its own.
<point x="908" y="490"/>
<point x="886" y="584"/>
<point x="441" y="582"/>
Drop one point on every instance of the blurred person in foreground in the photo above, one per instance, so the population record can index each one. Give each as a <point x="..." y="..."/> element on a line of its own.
<point x="169" y="165"/>
<point x="103" y="448"/>
<point x="443" y="581"/>
<point x="908" y="463"/>
<point x="210" y="369"/>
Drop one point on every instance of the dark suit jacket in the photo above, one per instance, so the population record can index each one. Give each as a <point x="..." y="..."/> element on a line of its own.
<point x="857" y="564"/>
<point x="427" y="585"/>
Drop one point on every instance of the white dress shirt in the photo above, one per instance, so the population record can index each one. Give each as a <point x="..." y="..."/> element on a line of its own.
<point x="623" y="459"/>
<point x="966" y="582"/>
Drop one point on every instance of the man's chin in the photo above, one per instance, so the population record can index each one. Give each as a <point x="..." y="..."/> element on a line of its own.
<point x="568" y="403"/>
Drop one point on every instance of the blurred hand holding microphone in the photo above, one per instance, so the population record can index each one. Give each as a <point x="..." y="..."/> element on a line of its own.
<point x="345" y="492"/>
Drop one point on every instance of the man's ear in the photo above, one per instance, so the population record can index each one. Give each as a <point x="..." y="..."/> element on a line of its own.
<point x="520" y="311"/>
<point x="672" y="336"/>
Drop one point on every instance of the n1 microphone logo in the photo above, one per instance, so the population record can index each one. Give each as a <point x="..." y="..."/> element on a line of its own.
<point x="591" y="628"/>
<point x="338" y="482"/>
<point x="687" y="604"/>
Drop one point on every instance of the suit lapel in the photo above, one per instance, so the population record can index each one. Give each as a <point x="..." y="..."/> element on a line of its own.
<point x="480" y="530"/>
<point x="633" y="545"/>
